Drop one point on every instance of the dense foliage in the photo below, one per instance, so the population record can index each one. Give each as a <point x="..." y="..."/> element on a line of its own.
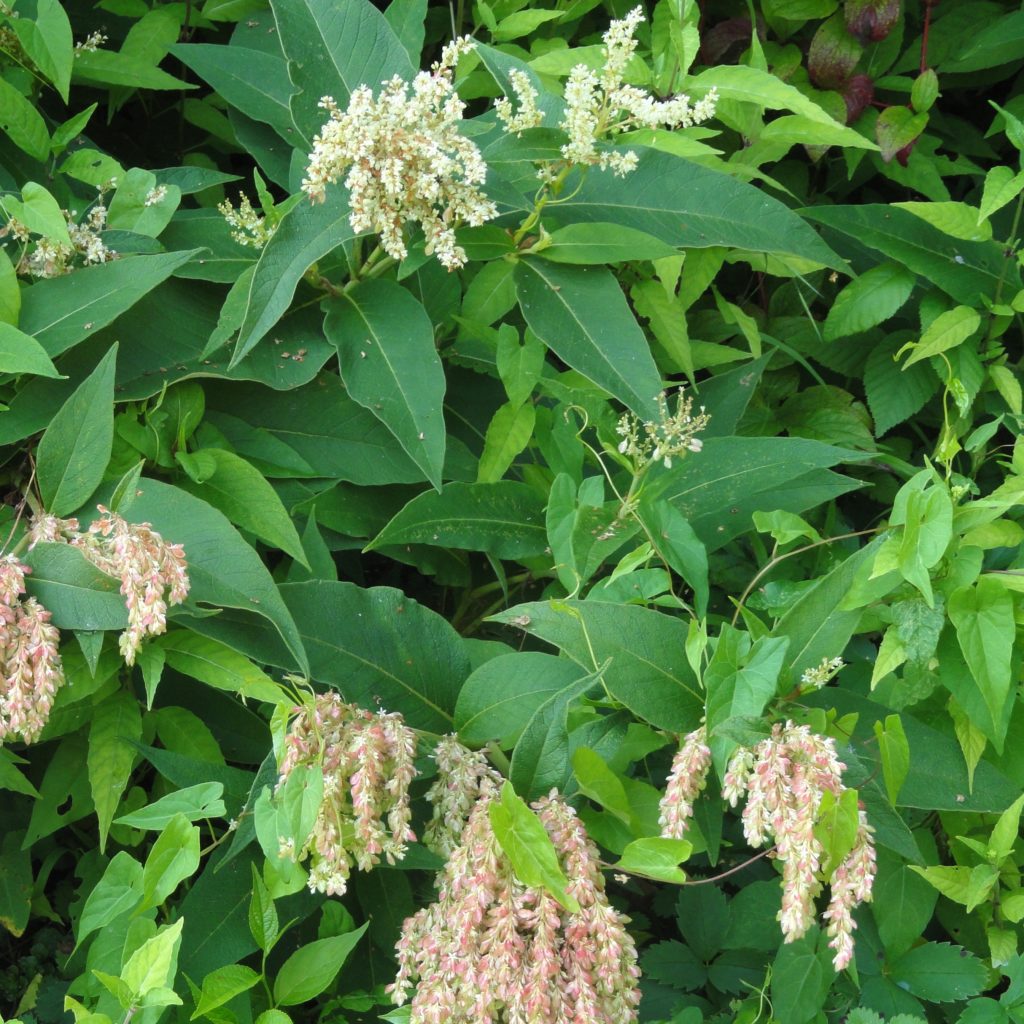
<point x="515" y="527"/>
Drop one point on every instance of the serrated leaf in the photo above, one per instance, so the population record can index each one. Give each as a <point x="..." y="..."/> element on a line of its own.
<point x="940" y="972"/>
<point x="868" y="300"/>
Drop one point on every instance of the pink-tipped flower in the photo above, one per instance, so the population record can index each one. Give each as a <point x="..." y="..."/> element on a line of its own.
<point x="493" y="950"/>
<point x="30" y="665"/>
<point x="368" y="763"/>
<point x="688" y="777"/>
<point x="852" y="884"/>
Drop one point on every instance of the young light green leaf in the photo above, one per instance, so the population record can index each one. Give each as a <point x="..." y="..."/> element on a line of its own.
<point x="222" y="985"/>
<point x="149" y="967"/>
<point x="22" y="123"/>
<point x="946" y="331"/>
<point x="119" y="890"/>
<point x="219" y="665"/>
<point x="508" y="433"/>
<point x="836" y="827"/>
<point x="528" y="846"/>
<point x="1006" y="831"/>
<point x="46" y="38"/>
<point x="194" y="802"/>
<point x="895" y="753"/>
<point x="656" y="858"/>
<point x="173" y="858"/>
<point x="263" y="922"/>
<point x="868" y="300"/>
<point x="309" y="970"/>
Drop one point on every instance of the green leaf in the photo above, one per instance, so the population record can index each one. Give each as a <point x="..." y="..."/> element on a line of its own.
<point x="895" y="753"/>
<point x="522" y="23"/>
<point x="895" y="393"/>
<point x="682" y="550"/>
<point x="946" y="331"/>
<point x="407" y="18"/>
<point x="62" y="311"/>
<point x="194" y="802"/>
<point x="581" y="314"/>
<point x="940" y="972"/>
<point x="508" y="433"/>
<point x="307" y="233"/>
<point x="75" y="592"/>
<point x="389" y="364"/>
<point x="868" y="300"/>
<point x="16" y="884"/>
<point x="686" y="205"/>
<point x="252" y="81"/>
<point x="333" y="49"/>
<point x="310" y="969"/>
<point x="598" y="782"/>
<point x="223" y="569"/>
<point x="74" y="451"/>
<point x="150" y="966"/>
<point x="656" y="858"/>
<point x="800" y="980"/>
<point x="263" y="921"/>
<point x="222" y="985"/>
<point x="1006" y="830"/>
<point x="1002" y="186"/>
<point x="219" y="666"/>
<point x="586" y="244"/>
<point x="380" y="646"/>
<point x="46" y="38"/>
<point x="528" y="846"/>
<point x="21" y="353"/>
<point x="11" y="779"/>
<point x="173" y="858"/>
<point x="836" y="827"/>
<point x="984" y="620"/>
<point x="902" y="906"/>
<point x="648" y="670"/>
<point x="505" y="519"/>
<point x="118" y="891"/>
<point x="10" y="293"/>
<point x="242" y="493"/>
<point x="501" y="696"/>
<point x="115" y="727"/>
<point x="964" y="270"/>
<point x="896" y="128"/>
<point x="105" y="67"/>
<point x="22" y="123"/>
<point x="540" y="761"/>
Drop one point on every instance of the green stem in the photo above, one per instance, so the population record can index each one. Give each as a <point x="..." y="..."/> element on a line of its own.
<point x="1011" y="245"/>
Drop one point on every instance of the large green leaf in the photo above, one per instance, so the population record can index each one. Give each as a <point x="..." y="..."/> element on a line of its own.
<point x="45" y="35"/>
<point x="868" y="300"/>
<point x="333" y="48"/>
<point x="21" y="353"/>
<point x="306" y="234"/>
<point x="504" y="519"/>
<point x="62" y="311"/>
<point x="107" y="67"/>
<point x="76" y="593"/>
<point x="581" y="314"/>
<point x="74" y="451"/>
<point x="940" y="972"/>
<point x="685" y="204"/>
<point x="719" y="488"/>
<point x="311" y="968"/>
<point x="648" y="670"/>
<point x="389" y="364"/>
<point x="380" y="647"/>
<point x="965" y="270"/>
<point x="224" y="570"/>
<point x="254" y="82"/>
<point x="329" y="432"/>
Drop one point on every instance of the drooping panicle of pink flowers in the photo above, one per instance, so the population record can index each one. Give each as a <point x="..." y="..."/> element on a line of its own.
<point x="368" y="762"/>
<point x="30" y="665"/>
<point x="464" y="776"/>
<point x="784" y="779"/>
<point x="687" y="778"/>
<point x="153" y="573"/>
<point x="491" y="950"/>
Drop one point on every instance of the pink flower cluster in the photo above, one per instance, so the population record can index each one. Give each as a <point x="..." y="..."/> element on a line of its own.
<point x="491" y="950"/>
<point x="30" y="664"/>
<point x="784" y="778"/>
<point x="368" y="762"/>
<point x="687" y="778"/>
<point x="152" y="572"/>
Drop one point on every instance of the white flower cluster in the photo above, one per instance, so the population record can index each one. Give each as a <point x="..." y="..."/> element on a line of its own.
<point x="599" y="105"/>
<point x="660" y="440"/>
<point x="51" y="257"/>
<point x="248" y="227"/>
<point x="527" y="115"/>
<point x="406" y="161"/>
<point x="91" y="43"/>
<point x="822" y="673"/>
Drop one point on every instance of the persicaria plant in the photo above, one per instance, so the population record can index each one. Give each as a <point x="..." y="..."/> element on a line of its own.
<point x="511" y="513"/>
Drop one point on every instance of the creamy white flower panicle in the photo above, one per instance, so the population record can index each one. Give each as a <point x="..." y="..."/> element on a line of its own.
<point x="599" y="105"/>
<point x="784" y="778"/>
<point x="50" y="257"/>
<point x="248" y="227"/>
<point x="526" y="115"/>
<point x="821" y="674"/>
<point x="406" y="161"/>
<point x="368" y="762"/>
<point x="661" y="440"/>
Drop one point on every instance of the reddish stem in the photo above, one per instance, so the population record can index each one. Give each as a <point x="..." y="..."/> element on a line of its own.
<point x="928" y="5"/>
